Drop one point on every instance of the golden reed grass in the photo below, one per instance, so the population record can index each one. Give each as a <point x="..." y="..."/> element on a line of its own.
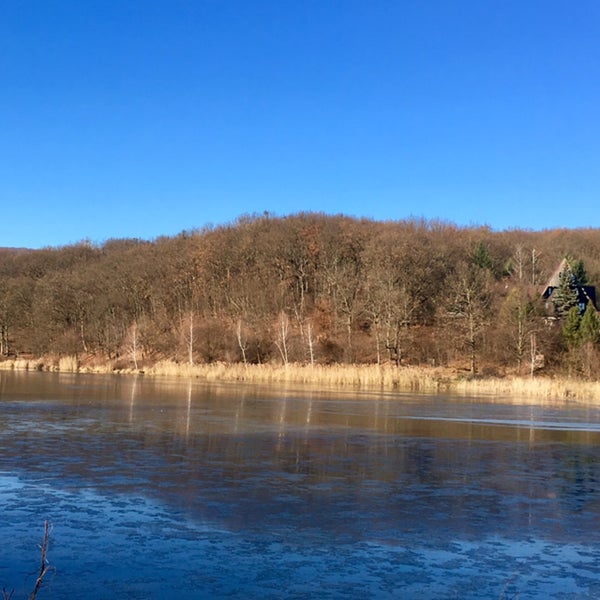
<point x="68" y="364"/>
<point x="363" y="377"/>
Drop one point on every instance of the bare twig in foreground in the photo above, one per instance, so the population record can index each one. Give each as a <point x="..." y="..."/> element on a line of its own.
<point x="44" y="566"/>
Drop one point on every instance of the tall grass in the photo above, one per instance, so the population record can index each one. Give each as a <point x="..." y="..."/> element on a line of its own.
<point x="21" y="364"/>
<point x="68" y="364"/>
<point x="541" y="388"/>
<point x="364" y="377"/>
<point x="355" y="376"/>
<point x="388" y="377"/>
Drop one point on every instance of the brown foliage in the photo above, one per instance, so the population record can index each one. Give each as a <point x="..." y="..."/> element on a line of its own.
<point x="346" y="290"/>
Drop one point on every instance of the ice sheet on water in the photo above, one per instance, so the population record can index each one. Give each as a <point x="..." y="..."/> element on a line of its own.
<point x="127" y="546"/>
<point x="194" y="502"/>
<point x="9" y="483"/>
<point x="533" y="423"/>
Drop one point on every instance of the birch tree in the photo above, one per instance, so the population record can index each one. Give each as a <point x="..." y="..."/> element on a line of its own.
<point x="468" y="307"/>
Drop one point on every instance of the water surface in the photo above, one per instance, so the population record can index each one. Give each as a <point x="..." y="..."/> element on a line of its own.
<point x="171" y="489"/>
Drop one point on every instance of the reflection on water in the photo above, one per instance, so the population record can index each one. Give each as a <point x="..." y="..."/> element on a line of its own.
<point x="182" y="489"/>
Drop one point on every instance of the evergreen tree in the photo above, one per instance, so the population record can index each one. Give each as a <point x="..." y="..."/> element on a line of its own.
<point x="565" y="295"/>
<point x="571" y="327"/>
<point x="589" y="328"/>
<point x="579" y="274"/>
<point x="481" y="256"/>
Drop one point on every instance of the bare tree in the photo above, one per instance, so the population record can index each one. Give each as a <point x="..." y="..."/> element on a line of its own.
<point x="467" y="310"/>
<point x="283" y="331"/>
<point x="241" y="339"/>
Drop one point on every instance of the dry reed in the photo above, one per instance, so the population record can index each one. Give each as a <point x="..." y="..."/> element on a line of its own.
<point x="388" y="377"/>
<point x="68" y="364"/>
<point x="20" y="364"/>
<point x="365" y="377"/>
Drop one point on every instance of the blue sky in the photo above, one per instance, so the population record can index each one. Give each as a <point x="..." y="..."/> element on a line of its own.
<point x="145" y="118"/>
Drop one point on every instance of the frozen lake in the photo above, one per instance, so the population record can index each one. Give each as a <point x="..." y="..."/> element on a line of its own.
<point x="169" y="489"/>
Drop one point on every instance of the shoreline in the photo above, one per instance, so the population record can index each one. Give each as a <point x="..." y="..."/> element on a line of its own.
<point x="385" y="377"/>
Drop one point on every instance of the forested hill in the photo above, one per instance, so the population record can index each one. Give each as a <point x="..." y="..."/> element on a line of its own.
<point x="303" y="288"/>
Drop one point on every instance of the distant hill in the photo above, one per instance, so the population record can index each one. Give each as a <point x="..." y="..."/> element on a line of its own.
<point x="307" y="288"/>
<point x="4" y="249"/>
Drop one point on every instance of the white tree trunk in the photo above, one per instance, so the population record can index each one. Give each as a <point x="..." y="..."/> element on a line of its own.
<point x="310" y="340"/>
<point x="241" y="343"/>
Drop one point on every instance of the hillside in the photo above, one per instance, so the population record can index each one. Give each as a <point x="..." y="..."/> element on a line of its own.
<point x="307" y="288"/>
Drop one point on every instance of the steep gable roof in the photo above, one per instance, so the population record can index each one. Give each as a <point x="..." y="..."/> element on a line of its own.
<point x="585" y="293"/>
<point x="554" y="280"/>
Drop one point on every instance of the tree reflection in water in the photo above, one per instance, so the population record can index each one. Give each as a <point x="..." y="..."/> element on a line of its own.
<point x="341" y="495"/>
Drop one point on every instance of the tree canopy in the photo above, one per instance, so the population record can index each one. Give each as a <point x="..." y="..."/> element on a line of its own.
<point x="307" y="287"/>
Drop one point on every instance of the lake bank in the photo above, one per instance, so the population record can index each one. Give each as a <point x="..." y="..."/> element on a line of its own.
<point x="387" y="377"/>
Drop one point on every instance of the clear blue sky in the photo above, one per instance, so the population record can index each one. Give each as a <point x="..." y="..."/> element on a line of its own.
<point x="144" y="118"/>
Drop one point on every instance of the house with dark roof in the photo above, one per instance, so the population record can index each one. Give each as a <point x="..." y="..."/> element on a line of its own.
<point x="584" y="293"/>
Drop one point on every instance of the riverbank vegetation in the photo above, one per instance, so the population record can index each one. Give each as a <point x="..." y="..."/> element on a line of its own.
<point x="309" y="294"/>
<point x="385" y="377"/>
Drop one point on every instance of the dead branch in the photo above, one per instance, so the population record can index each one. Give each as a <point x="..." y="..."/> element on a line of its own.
<point x="44" y="566"/>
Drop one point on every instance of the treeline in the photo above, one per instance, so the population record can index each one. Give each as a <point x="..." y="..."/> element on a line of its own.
<point x="307" y="288"/>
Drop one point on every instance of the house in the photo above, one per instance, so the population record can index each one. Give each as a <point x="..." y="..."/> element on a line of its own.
<point x="584" y="293"/>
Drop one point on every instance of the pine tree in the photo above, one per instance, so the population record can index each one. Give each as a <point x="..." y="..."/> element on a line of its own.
<point x="571" y="327"/>
<point x="481" y="256"/>
<point x="565" y="295"/>
<point x="579" y="273"/>
<point x="589" y="328"/>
